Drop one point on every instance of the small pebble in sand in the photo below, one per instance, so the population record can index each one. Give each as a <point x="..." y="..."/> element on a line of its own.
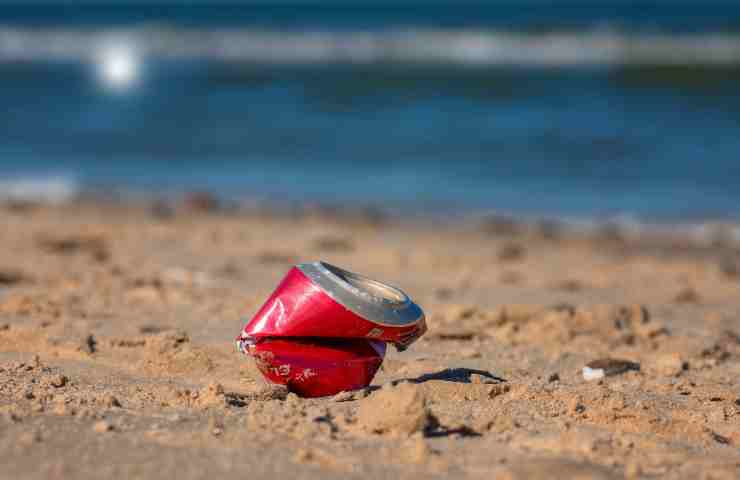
<point x="720" y="438"/>
<point x="570" y="285"/>
<point x="110" y="401"/>
<point x="96" y="246"/>
<point x="605" y="367"/>
<point x="687" y="295"/>
<point x="215" y="426"/>
<point x="303" y="455"/>
<point x="10" y="417"/>
<point x="102" y="426"/>
<point x="444" y="293"/>
<point x="151" y="329"/>
<point x="271" y="392"/>
<point x="88" y="344"/>
<point x="511" y="278"/>
<point x="59" y="380"/>
<point x="29" y="438"/>
<point x="272" y="257"/>
<point x="11" y="277"/>
<point x="348" y="396"/>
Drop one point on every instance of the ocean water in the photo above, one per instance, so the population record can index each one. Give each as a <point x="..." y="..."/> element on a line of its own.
<point x="589" y="110"/>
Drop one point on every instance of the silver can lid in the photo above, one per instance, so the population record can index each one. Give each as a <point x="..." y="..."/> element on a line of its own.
<point x="370" y="299"/>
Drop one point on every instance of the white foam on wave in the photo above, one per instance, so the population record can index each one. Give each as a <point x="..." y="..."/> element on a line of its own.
<point x="51" y="189"/>
<point x="425" y="46"/>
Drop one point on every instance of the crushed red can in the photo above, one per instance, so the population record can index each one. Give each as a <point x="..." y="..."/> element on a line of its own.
<point x="324" y="329"/>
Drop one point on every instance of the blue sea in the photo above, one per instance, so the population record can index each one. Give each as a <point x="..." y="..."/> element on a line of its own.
<point x="587" y="110"/>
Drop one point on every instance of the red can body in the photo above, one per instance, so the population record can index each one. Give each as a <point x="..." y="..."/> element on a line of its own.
<point x="317" y="368"/>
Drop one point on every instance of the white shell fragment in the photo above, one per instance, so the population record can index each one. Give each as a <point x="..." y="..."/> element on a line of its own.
<point x="593" y="373"/>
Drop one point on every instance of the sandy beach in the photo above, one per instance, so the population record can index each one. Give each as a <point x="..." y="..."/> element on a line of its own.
<point x="117" y="357"/>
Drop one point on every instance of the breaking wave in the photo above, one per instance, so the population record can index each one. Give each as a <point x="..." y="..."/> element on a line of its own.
<point x="404" y="46"/>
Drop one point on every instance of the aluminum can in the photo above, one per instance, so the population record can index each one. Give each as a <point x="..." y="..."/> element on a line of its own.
<point x="324" y="329"/>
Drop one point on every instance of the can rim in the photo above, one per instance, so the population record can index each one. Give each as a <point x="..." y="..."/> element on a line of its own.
<point x="375" y="301"/>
